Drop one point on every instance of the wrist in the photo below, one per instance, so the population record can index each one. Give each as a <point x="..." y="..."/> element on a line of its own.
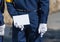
<point x="43" y="24"/>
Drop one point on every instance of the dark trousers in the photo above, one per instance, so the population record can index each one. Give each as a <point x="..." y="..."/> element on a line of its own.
<point x="39" y="38"/>
<point x="27" y="35"/>
<point x="1" y="38"/>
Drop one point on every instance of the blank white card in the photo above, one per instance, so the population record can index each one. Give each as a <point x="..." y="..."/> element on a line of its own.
<point x="22" y="19"/>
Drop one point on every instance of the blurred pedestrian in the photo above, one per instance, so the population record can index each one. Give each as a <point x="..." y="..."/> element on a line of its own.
<point x="2" y="25"/>
<point x="37" y="10"/>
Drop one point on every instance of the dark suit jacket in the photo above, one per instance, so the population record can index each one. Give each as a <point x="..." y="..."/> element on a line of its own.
<point x="38" y="10"/>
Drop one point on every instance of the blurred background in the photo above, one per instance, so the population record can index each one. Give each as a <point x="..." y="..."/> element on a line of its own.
<point x="53" y="33"/>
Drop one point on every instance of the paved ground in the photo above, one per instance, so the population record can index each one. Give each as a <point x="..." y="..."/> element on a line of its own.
<point x="50" y="36"/>
<point x="53" y="33"/>
<point x="54" y="21"/>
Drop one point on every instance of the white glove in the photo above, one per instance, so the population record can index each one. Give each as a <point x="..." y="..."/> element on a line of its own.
<point x="2" y="28"/>
<point x="21" y="20"/>
<point x="18" y="26"/>
<point x="42" y="29"/>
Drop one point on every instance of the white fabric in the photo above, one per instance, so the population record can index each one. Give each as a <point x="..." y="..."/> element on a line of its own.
<point x="42" y="29"/>
<point x="2" y="28"/>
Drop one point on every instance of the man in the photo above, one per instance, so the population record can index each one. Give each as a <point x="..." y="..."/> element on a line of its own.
<point x="2" y="25"/>
<point x="37" y="10"/>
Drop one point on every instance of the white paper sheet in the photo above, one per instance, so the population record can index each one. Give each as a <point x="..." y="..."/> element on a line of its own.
<point x="22" y="19"/>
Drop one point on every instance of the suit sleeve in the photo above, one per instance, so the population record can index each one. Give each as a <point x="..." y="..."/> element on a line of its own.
<point x="12" y="11"/>
<point x="44" y="11"/>
<point x="1" y="16"/>
<point x="1" y="19"/>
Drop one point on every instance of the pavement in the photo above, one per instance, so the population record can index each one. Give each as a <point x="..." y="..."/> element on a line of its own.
<point x="54" y="21"/>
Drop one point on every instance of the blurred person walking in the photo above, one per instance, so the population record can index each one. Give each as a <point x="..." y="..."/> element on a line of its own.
<point x="2" y="25"/>
<point x="37" y="11"/>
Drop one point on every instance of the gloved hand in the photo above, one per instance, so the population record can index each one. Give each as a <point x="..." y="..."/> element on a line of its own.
<point x="21" y="20"/>
<point x="17" y="25"/>
<point x="2" y="28"/>
<point x="42" y="29"/>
